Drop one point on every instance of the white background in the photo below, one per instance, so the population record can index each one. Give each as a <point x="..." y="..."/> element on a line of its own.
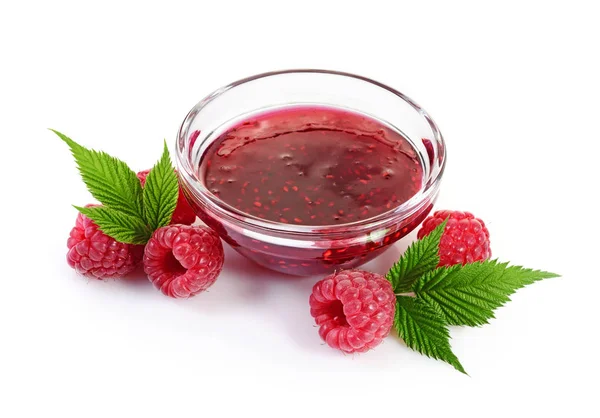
<point x="514" y="88"/>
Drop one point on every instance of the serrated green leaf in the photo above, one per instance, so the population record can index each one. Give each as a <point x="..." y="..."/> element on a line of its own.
<point x="468" y="295"/>
<point x="422" y="256"/>
<point x="107" y="178"/>
<point x="423" y="329"/>
<point x="160" y="192"/>
<point x="118" y="225"/>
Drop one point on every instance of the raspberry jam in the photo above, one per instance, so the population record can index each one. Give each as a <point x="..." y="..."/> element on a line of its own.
<point x="311" y="166"/>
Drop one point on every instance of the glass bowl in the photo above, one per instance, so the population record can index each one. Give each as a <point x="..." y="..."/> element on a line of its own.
<point x="305" y="249"/>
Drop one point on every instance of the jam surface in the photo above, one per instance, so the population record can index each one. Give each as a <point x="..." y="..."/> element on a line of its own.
<point x="312" y="166"/>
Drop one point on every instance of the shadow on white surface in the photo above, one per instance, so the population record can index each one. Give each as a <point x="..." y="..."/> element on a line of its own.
<point x="137" y="280"/>
<point x="284" y="297"/>
<point x="263" y="298"/>
<point x="241" y="283"/>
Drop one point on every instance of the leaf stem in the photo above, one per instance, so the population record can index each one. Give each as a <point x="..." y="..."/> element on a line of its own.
<point x="411" y="294"/>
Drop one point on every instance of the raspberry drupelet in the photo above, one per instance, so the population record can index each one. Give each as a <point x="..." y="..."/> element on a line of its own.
<point x="94" y="254"/>
<point x="465" y="239"/>
<point x="354" y="309"/>
<point x="183" y="260"/>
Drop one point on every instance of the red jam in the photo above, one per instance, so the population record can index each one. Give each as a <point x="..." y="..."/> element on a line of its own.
<point x="312" y="166"/>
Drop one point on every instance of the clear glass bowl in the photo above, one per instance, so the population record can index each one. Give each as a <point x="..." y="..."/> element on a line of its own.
<point x="304" y="249"/>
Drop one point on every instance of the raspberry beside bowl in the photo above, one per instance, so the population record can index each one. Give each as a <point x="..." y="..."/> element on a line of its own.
<point x="301" y="249"/>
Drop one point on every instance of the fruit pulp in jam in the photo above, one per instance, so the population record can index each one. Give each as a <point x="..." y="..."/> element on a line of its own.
<point x="312" y="166"/>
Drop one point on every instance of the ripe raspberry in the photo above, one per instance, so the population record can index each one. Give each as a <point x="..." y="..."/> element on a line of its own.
<point x="465" y="238"/>
<point x="94" y="254"/>
<point x="183" y="214"/>
<point x="183" y="260"/>
<point x="354" y="309"/>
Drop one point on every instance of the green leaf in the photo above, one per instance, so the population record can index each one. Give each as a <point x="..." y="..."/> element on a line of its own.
<point x="468" y="295"/>
<point x="422" y="256"/>
<point x="118" y="225"/>
<point x="423" y="329"/>
<point x="109" y="179"/>
<point x="160" y="192"/>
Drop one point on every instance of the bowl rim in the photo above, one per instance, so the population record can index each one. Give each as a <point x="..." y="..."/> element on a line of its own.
<point x="396" y="214"/>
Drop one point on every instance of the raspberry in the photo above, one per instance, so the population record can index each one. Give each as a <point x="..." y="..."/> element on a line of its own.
<point x="465" y="238"/>
<point x="354" y="309"/>
<point x="183" y="260"/>
<point x="183" y="214"/>
<point x="94" y="254"/>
